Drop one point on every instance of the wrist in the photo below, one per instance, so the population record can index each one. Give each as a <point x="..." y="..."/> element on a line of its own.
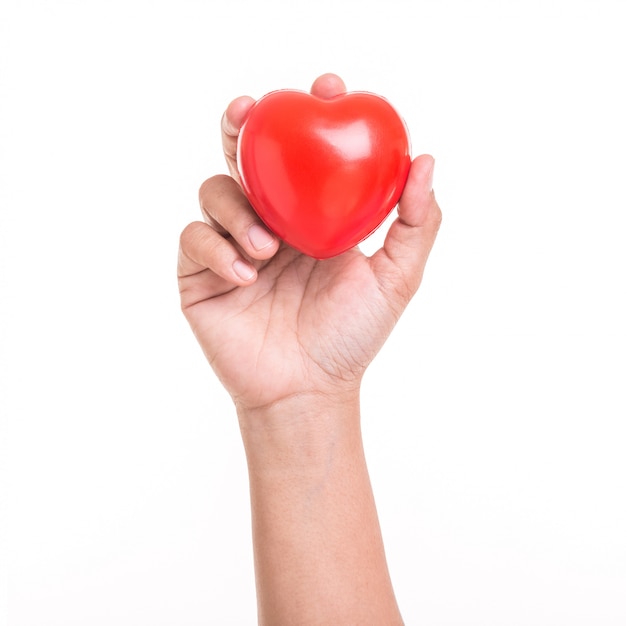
<point x="301" y="430"/>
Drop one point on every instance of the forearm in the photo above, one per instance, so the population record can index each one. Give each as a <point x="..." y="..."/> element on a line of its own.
<point x="319" y="556"/>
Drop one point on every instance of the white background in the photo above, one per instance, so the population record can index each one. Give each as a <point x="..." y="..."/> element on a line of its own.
<point x="494" y="418"/>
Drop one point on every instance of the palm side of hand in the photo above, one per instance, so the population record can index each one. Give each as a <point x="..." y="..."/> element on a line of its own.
<point x="290" y="324"/>
<point x="304" y="326"/>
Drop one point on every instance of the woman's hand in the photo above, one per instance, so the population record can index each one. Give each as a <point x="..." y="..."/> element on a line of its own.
<point x="276" y="324"/>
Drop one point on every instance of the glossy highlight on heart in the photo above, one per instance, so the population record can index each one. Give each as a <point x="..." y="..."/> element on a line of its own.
<point x="323" y="173"/>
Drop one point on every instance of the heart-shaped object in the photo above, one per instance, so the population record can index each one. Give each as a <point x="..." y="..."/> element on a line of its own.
<point x="323" y="173"/>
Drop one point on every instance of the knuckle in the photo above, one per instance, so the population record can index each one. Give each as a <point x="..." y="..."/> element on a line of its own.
<point x="215" y="186"/>
<point x="214" y="197"/>
<point x="202" y="244"/>
<point x="189" y="234"/>
<point x="437" y="216"/>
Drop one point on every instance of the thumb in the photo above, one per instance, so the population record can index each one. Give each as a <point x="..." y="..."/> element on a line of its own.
<point x="400" y="263"/>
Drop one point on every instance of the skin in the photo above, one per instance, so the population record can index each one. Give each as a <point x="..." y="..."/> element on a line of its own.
<point x="290" y="338"/>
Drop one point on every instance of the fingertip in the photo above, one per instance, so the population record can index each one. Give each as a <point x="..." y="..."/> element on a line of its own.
<point x="245" y="272"/>
<point x="424" y="166"/>
<point x="235" y="114"/>
<point x="328" y="86"/>
<point x="264" y="244"/>
<point x="418" y="194"/>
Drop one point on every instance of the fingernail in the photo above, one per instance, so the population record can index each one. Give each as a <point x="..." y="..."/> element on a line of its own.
<point x="259" y="237"/>
<point x="243" y="270"/>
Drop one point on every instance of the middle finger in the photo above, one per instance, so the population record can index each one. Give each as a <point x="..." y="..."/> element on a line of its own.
<point x="226" y="209"/>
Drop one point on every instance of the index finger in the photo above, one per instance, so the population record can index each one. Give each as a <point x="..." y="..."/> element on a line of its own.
<point x="232" y="121"/>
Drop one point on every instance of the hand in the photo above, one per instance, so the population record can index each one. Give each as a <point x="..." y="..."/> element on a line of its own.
<point x="275" y="323"/>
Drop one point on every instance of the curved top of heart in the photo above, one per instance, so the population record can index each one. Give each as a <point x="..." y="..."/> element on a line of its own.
<point x="323" y="173"/>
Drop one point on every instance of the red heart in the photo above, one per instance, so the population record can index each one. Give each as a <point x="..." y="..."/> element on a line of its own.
<point x="323" y="173"/>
